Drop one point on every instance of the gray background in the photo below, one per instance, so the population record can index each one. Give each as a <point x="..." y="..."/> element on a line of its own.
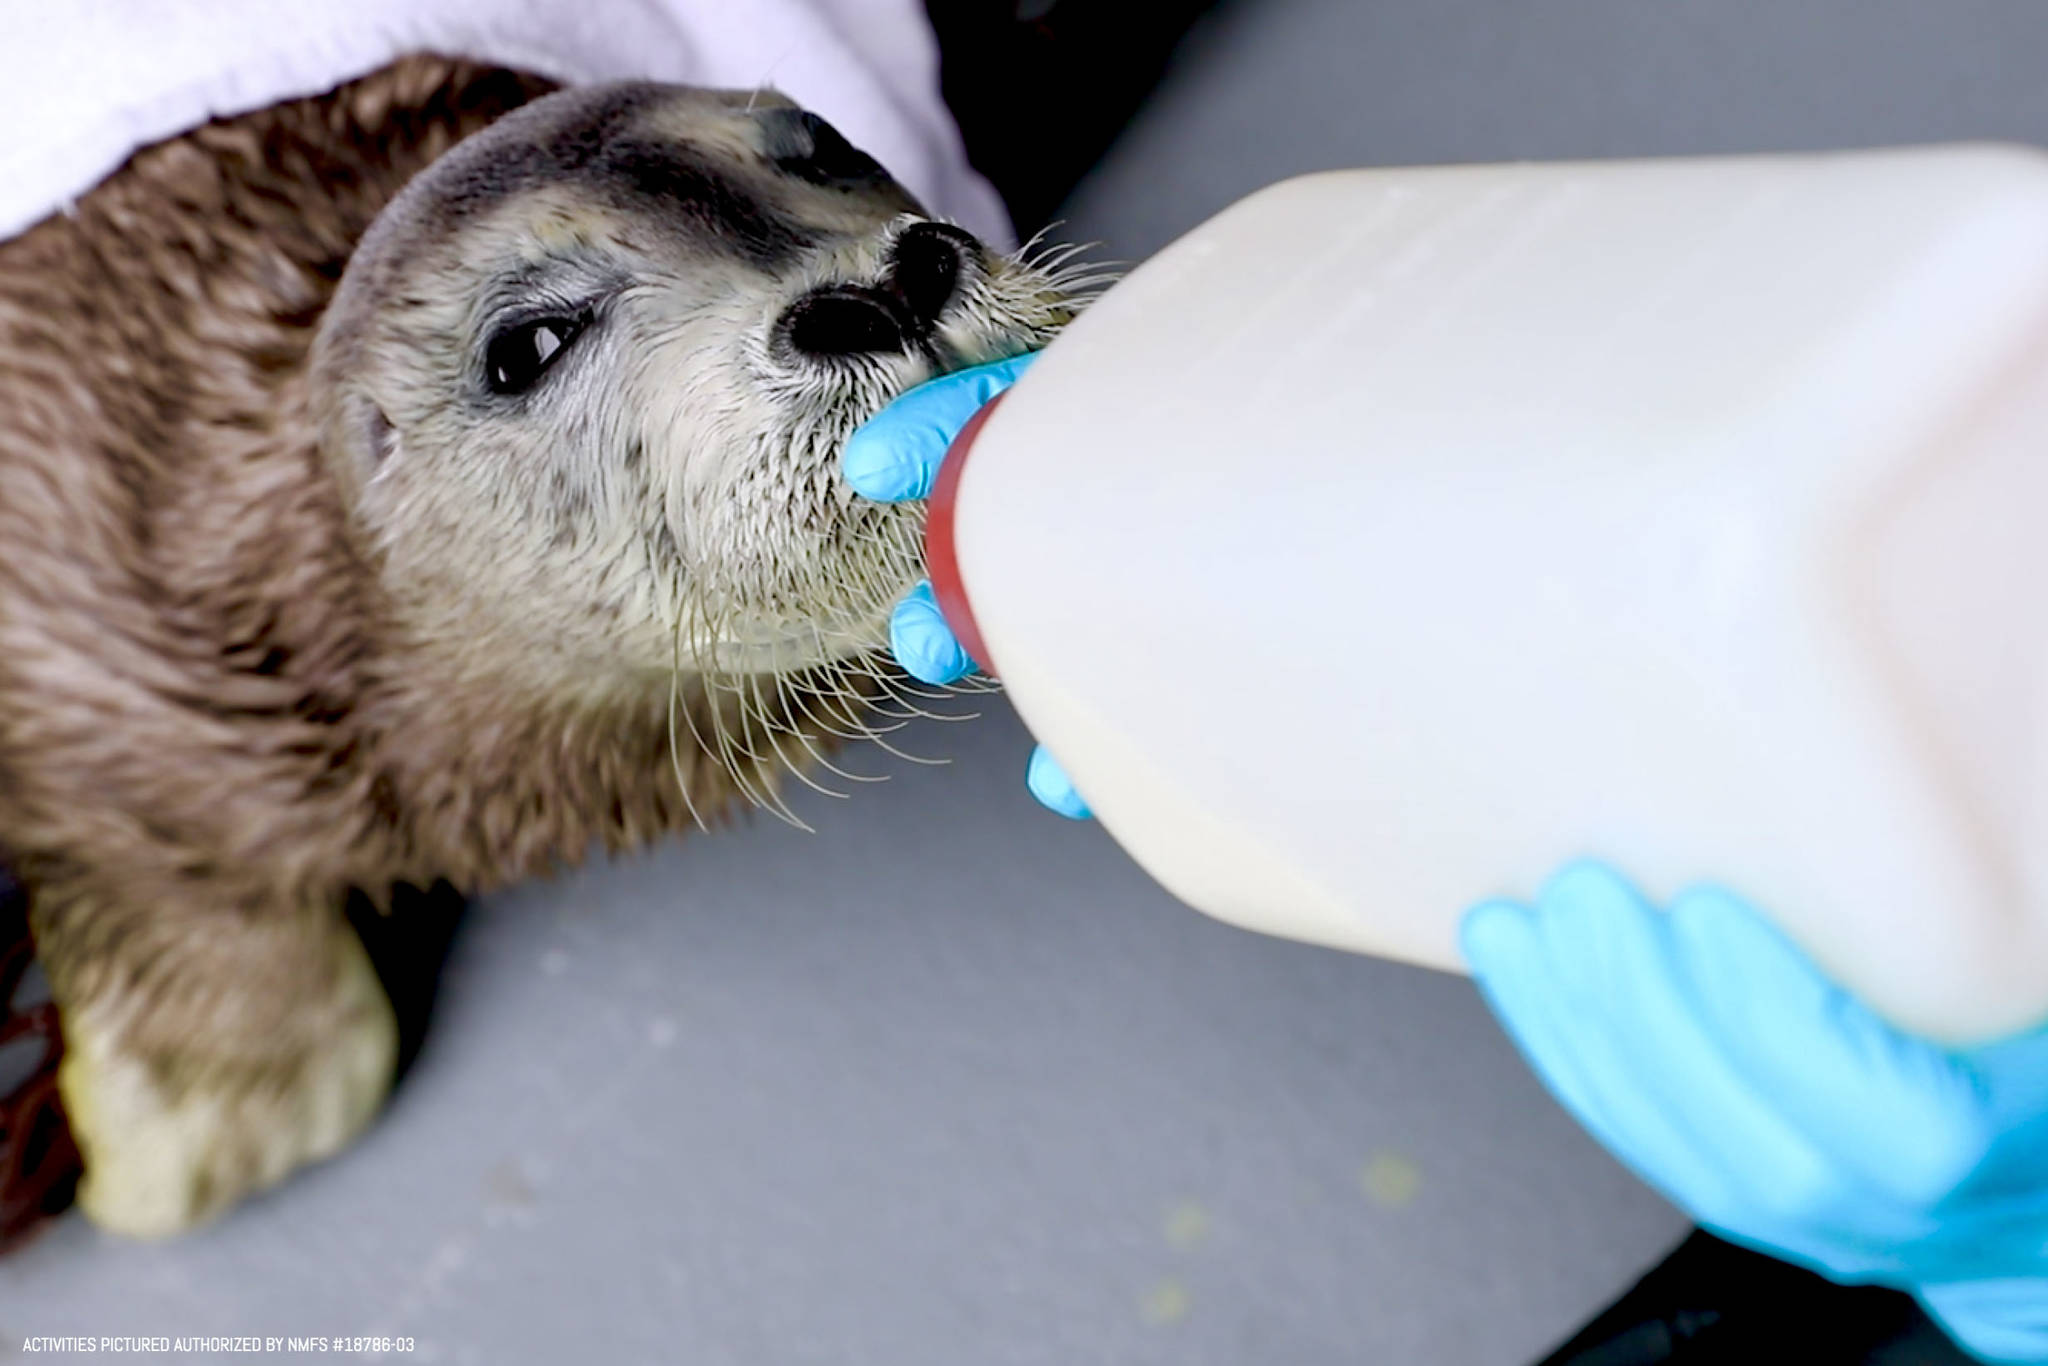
<point x="949" y="1081"/>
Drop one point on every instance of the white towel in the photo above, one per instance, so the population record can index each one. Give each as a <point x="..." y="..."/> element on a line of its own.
<point x="89" y="81"/>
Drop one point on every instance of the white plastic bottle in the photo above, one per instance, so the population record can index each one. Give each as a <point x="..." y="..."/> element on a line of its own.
<point x="1397" y="535"/>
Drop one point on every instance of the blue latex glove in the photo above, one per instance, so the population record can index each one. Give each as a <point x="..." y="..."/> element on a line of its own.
<point x="1707" y="1053"/>
<point x="894" y="456"/>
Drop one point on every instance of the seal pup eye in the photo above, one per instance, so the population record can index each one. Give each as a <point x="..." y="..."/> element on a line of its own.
<point x="518" y="356"/>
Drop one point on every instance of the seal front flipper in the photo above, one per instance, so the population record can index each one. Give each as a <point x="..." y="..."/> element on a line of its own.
<point x="186" y="1088"/>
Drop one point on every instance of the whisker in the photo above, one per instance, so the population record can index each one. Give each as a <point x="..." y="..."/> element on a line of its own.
<point x="758" y="722"/>
<point x="808" y="682"/>
<point x="769" y="729"/>
<point x="754" y="774"/>
<point x="675" y="690"/>
<point x="906" y="756"/>
<point x="713" y="681"/>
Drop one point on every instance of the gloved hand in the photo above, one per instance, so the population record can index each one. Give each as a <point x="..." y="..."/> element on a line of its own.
<point x="1712" y="1057"/>
<point x="894" y="456"/>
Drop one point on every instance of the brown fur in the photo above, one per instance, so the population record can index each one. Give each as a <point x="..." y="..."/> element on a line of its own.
<point x="210" y="727"/>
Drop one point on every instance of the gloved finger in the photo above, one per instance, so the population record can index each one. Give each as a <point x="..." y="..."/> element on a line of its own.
<point x="1600" y="988"/>
<point x="922" y="642"/>
<point x="1698" y="1110"/>
<point x="1053" y="788"/>
<point x="2013" y="1075"/>
<point x="1570" y="1033"/>
<point x="1900" y="1113"/>
<point x="895" y="454"/>
<point x="2003" y="1321"/>
<point x="2014" y="1072"/>
<point x="1994" y="1230"/>
<point x="1503" y="947"/>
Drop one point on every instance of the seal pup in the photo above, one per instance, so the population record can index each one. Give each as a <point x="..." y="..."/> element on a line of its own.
<point x="427" y="481"/>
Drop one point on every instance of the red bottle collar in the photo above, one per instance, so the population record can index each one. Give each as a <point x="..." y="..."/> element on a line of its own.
<point x="939" y="557"/>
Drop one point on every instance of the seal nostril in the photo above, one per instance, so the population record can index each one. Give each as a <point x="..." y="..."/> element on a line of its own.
<point x="842" y="322"/>
<point x="924" y="267"/>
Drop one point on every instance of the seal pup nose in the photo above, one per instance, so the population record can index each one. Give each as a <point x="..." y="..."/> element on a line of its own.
<point x="920" y="278"/>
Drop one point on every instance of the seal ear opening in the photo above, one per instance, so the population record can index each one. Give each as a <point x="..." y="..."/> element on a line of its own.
<point x="359" y="441"/>
<point x="380" y="439"/>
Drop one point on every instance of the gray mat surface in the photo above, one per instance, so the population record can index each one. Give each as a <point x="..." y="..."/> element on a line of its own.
<point x="946" y="1082"/>
<point x="949" y="1081"/>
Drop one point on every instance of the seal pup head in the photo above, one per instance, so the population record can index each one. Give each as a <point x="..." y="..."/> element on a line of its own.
<point x="585" y="383"/>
